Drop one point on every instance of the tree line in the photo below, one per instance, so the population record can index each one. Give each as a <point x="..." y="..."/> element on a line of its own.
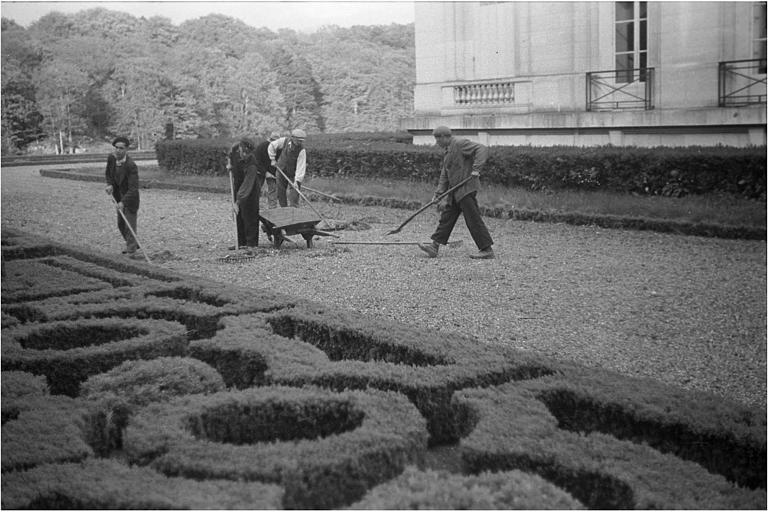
<point x="68" y="80"/>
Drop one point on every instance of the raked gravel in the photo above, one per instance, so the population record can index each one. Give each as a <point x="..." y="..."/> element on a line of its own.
<point x="685" y="310"/>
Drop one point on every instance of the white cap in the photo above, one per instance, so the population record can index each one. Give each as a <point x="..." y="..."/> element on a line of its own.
<point x="299" y="134"/>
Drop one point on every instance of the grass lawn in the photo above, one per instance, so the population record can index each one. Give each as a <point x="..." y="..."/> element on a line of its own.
<point x="708" y="209"/>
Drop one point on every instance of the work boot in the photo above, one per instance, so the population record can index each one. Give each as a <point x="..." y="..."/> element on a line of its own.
<point x="485" y="254"/>
<point x="430" y="248"/>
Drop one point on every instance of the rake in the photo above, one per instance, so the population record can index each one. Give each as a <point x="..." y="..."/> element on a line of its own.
<point x="128" y="225"/>
<point x="433" y="201"/>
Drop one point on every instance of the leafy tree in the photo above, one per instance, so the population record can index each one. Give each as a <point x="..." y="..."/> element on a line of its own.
<point x="255" y="97"/>
<point x="99" y="72"/>
<point x="20" y="116"/>
<point x="61" y="89"/>
<point x="300" y="90"/>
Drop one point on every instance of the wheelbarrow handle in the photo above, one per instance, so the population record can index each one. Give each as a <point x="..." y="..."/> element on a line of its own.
<point x="433" y="201"/>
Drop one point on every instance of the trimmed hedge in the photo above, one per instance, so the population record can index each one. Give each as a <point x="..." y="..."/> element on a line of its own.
<point x="341" y="350"/>
<point x="22" y="385"/>
<point x="647" y="171"/>
<point x="31" y="280"/>
<point x="67" y="352"/>
<point x="326" y="449"/>
<point x="515" y="430"/>
<point x="429" y="490"/>
<point x="98" y="484"/>
<point x="51" y="429"/>
<point x="139" y="383"/>
<point x="609" y="440"/>
<point x="725" y="437"/>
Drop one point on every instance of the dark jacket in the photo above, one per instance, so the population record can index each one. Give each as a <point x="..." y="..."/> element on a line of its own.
<point x="125" y="182"/>
<point x="236" y="165"/>
<point x="462" y="156"/>
<point x="251" y="183"/>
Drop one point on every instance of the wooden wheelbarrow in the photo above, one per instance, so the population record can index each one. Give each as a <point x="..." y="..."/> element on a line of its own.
<point x="280" y="223"/>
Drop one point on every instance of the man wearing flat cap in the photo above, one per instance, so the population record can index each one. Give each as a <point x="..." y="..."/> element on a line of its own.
<point x="262" y="154"/>
<point x="292" y="163"/>
<point x="122" y="176"/>
<point x="463" y="159"/>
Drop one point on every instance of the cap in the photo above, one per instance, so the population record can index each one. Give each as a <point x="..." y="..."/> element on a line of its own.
<point x="441" y="130"/>
<point x="274" y="136"/>
<point x="124" y="140"/>
<point x="248" y="142"/>
<point x="299" y="134"/>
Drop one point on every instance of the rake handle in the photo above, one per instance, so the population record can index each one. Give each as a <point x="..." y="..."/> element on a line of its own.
<point x="128" y="225"/>
<point x="301" y="195"/>
<point x="433" y="201"/>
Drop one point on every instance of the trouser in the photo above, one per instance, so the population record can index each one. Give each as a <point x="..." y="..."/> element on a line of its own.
<point x="271" y="191"/>
<point x="284" y="196"/>
<point x="249" y="210"/>
<point x="238" y="180"/>
<point x="449" y="216"/>
<point x="130" y="241"/>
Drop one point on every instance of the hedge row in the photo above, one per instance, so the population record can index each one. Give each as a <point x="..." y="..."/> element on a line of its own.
<point x="608" y="440"/>
<point x="339" y="350"/>
<point x="67" y="352"/>
<point x="324" y="448"/>
<point x="664" y="171"/>
<point x="515" y="429"/>
<point x="505" y="490"/>
<point x="99" y="484"/>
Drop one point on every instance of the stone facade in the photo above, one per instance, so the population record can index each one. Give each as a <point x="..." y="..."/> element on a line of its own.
<point x="519" y="72"/>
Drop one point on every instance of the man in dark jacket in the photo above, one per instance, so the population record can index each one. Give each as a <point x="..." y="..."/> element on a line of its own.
<point x="123" y="185"/>
<point x="463" y="159"/>
<point x="246" y="203"/>
<point x="235" y="168"/>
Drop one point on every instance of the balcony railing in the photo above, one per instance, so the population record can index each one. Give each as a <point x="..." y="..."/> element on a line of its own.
<point x="496" y="93"/>
<point x="620" y="89"/>
<point x="741" y="82"/>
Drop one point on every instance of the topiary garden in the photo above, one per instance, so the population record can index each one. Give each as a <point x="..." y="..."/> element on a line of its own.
<point x="128" y="386"/>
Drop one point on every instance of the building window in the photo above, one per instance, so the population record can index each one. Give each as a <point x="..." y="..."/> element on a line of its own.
<point x="631" y="40"/>
<point x="758" y="35"/>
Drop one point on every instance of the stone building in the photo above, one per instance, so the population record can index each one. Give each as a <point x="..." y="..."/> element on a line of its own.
<point x="592" y="73"/>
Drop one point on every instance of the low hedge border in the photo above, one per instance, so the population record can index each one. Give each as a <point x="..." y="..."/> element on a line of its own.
<point x="26" y="280"/>
<point x="16" y="389"/>
<point x="725" y="437"/>
<point x="22" y="385"/>
<point x="22" y="245"/>
<point x="339" y="350"/>
<point x="121" y="391"/>
<point x="432" y="490"/>
<point x="98" y="484"/>
<point x="362" y="440"/>
<point x="44" y="429"/>
<point x="67" y="352"/>
<point x="96" y="271"/>
<point x="515" y="430"/>
<point x="140" y="382"/>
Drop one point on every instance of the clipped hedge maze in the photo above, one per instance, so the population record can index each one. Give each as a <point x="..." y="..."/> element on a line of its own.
<point x="127" y="386"/>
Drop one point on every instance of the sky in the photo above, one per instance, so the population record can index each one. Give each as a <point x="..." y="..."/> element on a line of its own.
<point x="299" y="15"/>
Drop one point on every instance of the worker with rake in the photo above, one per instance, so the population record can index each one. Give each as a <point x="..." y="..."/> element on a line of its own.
<point x="292" y="164"/>
<point x="122" y="177"/>
<point x="246" y="204"/>
<point x="460" y="170"/>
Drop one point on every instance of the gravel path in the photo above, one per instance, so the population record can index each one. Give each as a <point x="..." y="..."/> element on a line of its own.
<point x="685" y="310"/>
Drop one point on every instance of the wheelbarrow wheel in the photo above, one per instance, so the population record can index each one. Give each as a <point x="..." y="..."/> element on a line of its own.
<point x="308" y="238"/>
<point x="277" y="238"/>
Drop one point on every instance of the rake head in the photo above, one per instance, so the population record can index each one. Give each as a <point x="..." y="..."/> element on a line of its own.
<point x="231" y="258"/>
